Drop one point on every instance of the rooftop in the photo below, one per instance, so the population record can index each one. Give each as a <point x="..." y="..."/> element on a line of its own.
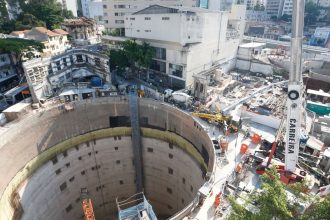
<point x="159" y="9"/>
<point x="252" y="45"/>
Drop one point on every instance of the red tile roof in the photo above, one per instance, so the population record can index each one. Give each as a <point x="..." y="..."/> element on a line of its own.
<point x="46" y="31"/>
<point x="60" y="31"/>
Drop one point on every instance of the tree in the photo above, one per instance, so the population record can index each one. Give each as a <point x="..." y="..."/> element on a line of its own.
<point x="146" y="52"/>
<point x="20" y="48"/>
<point x="118" y="59"/>
<point x="27" y="21"/>
<point x="319" y="210"/>
<point x="311" y="13"/>
<point x="272" y="201"/>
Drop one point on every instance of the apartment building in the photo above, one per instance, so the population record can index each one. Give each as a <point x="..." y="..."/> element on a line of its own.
<point x="274" y="7"/>
<point x="287" y="7"/>
<point x="48" y="75"/>
<point x="83" y="31"/>
<point x="93" y="9"/>
<point x="187" y="40"/>
<point x="55" y="41"/>
<point x="115" y="10"/>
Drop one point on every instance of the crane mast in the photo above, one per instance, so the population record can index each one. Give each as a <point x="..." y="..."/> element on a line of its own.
<point x="294" y="101"/>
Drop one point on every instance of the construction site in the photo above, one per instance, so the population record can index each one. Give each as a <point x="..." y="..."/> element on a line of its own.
<point x="130" y="152"/>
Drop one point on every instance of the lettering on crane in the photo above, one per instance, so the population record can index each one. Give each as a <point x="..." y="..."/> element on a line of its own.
<point x="292" y="136"/>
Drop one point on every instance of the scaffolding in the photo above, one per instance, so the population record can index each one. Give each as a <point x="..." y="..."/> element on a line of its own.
<point x="135" y="207"/>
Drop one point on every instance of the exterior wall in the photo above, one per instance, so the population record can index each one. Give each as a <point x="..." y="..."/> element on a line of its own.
<point x="84" y="33"/>
<point x="212" y="41"/>
<point x="287" y="7"/>
<point x="274" y="7"/>
<point x="43" y="130"/>
<point x="70" y="5"/>
<point x="95" y="9"/>
<point x="254" y="67"/>
<point x="44" y="74"/>
<point x="115" y="10"/>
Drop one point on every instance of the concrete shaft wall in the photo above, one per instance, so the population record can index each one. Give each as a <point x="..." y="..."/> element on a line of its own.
<point x="105" y="168"/>
<point x="25" y="140"/>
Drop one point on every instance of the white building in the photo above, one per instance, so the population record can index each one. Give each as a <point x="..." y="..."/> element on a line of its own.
<point x="48" y="75"/>
<point x="187" y="41"/>
<point x="287" y="7"/>
<point x="114" y="10"/>
<point x="55" y="41"/>
<point x="70" y="5"/>
<point x="274" y="7"/>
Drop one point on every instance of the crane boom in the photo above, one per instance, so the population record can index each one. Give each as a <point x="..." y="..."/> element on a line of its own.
<point x="294" y="101"/>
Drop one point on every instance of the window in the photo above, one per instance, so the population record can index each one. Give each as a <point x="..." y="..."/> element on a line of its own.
<point x="119" y="21"/>
<point x="169" y="190"/>
<point x="170" y="170"/>
<point x="79" y="158"/>
<point x="119" y="6"/>
<point x="150" y="149"/>
<point x="67" y="164"/>
<point x="121" y="182"/>
<point x="183" y="180"/>
<point x="176" y="70"/>
<point x="170" y="156"/>
<point x="147" y="30"/>
<point x="105" y="14"/>
<point x="147" y="18"/>
<point x="191" y="189"/>
<point x="106" y="21"/>
<point x="160" y="53"/>
<point x="105" y="6"/>
<point x="71" y="179"/>
<point x="116" y="148"/>
<point x="165" y="18"/>
<point x="159" y="66"/>
<point x="170" y="145"/>
<point x="58" y="171"/>
<point x="117" y="161"/>
<point x="63" y="186"/>
<point x="132" y="19"/>
<point x="83" y="172"/>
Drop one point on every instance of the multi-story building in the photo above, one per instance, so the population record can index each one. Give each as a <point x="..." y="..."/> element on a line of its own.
<point x="274" y="7"/>
<point x="83" y="31"/>
<point x="287" y="7"/>
<point x="187" y="41"/>
<point x="252" y="15"/>
<point x="279" y="8"/>
<point x="115" y="10"/>
<point x="48" y="75"/>
<point x="70" y="5"/>
<point x="55" y="41"/>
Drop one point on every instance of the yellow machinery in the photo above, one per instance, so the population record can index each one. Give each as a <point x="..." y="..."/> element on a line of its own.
<point x="87" y="205"/>
<point x="224" y="121"/>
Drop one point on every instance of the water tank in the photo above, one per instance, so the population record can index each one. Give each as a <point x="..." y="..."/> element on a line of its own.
<point x="96" y="81"/>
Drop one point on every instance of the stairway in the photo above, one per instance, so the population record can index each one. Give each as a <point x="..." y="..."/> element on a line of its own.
<point x="136" y="140"/>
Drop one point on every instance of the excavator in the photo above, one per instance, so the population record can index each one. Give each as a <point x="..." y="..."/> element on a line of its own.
<point x="289" y="172"/>
<point x="223" y="121"/>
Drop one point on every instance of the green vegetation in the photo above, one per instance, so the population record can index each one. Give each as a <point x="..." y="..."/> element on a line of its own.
<point x="46" y="13"/>
<point x="272" y="201"/>
<point x="312" y="11"/>
<point x="131" y="55"/>
<point x="20" y="48"/>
